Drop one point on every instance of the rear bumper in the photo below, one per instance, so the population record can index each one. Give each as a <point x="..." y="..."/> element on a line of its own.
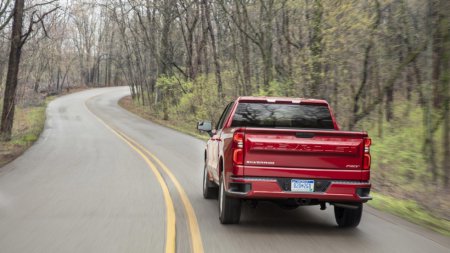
<point x="273" y="188"/>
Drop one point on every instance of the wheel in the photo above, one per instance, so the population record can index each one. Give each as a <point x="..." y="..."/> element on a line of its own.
<point x="229" y="208"/>
<point x="209" y="188"/>
<point x="348" y="218"/>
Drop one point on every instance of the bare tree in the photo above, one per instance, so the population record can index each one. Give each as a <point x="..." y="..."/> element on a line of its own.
<point x="18" y="39"/>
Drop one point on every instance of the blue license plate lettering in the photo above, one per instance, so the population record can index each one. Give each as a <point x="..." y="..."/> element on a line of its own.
<point x="298" y="185"/>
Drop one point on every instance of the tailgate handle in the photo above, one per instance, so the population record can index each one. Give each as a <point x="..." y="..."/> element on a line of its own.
<point x="304" y="135"/>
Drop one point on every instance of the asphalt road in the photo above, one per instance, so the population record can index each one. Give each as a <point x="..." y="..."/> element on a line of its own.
<point x="89" y="185"/>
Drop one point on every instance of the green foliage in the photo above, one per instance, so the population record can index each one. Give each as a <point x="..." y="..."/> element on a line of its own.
<point x="169" y="84"/>
<point x="186" y="102"/>
<point x="398" y="155"/>
<point x="277" y="88"/>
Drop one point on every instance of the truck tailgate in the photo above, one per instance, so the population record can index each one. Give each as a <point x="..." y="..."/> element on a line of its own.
<point x="303" y="149"/>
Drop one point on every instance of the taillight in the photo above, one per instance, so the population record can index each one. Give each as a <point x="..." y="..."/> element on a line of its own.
<point x="238" y="148"/>
<point x="367" y="158"/>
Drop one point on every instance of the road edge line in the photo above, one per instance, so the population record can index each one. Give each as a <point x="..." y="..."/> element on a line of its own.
<point x="170" y="244"/>
<point x="196" y="239"/>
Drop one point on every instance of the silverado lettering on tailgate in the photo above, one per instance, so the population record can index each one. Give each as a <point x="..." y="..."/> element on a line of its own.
<point x="261" y="162"/>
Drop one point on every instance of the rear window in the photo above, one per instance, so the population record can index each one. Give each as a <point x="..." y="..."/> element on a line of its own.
<point x="282" y="116"/>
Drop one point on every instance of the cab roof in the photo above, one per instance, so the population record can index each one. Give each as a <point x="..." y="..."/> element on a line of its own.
<point x="282" y="100"/>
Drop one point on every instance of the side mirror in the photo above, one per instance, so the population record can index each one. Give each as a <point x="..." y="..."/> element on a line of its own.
<point x="205" y="126"/>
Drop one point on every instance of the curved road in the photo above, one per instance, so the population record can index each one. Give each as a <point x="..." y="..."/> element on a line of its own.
<point x="85" y="186"/>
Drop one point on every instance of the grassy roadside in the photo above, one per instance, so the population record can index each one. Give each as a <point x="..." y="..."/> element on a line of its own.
<point x="411" y="211"/>
<point x="408" y="209"/>
<point x="184" y="127"/>
<point x="28" y="125"/>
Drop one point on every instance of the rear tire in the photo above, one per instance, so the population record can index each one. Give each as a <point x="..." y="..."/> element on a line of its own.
<point x="348" y="218"/>
<point x="229" y="208"/>
<point x="209" y="188"/>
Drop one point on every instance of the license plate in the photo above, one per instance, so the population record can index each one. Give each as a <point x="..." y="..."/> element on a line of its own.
<point x="298" y="185"/>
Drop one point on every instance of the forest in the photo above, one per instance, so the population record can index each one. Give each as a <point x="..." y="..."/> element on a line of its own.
<point x="383" y="65"/>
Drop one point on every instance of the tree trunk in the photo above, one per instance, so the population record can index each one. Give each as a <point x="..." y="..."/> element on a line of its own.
<point x="409" y="84"/>
<point x="437" y="63"/>
<point x="1" y="73"/>
<point x="246" y="64"/>
<point x="316" y="47"/>
<point x="287" y="34"/>
<point x="106" y="71"/>
<point x="335" y="91"/>
<point x="428" y="147"/>
<point x="166" y="54"/>
<point x="389" y="101"/>
<point x="267" y="15"/>
<point x="58" y="79"/>
<point x="13" y="71"/>
<point x="245" y="50"/>
<point x="204" y="42"/>
<point x="444" y="28"/>
<point x="206" y="12"/>
<point x="446" y="139"/>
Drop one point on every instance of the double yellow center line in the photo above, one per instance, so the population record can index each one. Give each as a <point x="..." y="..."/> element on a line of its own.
<point x="147" y="156"/>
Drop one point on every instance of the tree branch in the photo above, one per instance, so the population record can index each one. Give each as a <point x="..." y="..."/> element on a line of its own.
<point x="40" y="4"/>
<point x="238" y="25"/>
<point x="33" y="22"/>
<point x="3" y="9"/>
<point x="390" y="83"/>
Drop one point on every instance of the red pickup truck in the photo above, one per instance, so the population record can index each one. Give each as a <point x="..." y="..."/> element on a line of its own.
<point x="289" y="151"/>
